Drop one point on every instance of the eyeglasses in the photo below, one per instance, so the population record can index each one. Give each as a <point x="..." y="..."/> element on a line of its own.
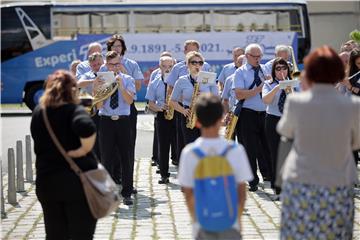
<point x="197" y="63"/>
<point x="114" y="64"/>
<point x="279" y="68"/>
<point x="255" y="56"/>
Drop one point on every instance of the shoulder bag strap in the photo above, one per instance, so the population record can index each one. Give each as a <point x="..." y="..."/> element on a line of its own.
<point x="71" y="162"/>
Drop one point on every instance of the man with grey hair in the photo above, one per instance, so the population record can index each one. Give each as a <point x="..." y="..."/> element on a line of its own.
<point x="248" y="82"/>
<point x="157" y="71"/>
<point x="281" y="51"/>
<point x="165" y="136"/>
<point x="84" y="66"/>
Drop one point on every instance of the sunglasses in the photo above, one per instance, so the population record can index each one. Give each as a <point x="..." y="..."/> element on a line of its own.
<point x="279" y="68"/>
<point x="197" y="63"/>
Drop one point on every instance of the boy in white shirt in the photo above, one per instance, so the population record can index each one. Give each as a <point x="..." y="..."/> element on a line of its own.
<point x="209" y="112"/>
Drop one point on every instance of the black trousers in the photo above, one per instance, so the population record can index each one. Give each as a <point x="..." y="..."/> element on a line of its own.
<point x="254" y="141"/>
<point x="96" y="149"/>
<point x="115" y="151"/>
<point x="155" y="147"/>
<point x="166" y="132"/>
<point x="273" y="139"/>
<point x="179" y="134"/>
<point x="133" y="122"/>
<point x="66" y="212"/>
<point x="190" y="135"/>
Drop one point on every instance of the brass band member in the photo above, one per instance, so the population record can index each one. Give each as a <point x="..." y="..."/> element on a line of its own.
<point x="230" y="68"/>
<point x="88" y="82"/>
<point x="180" y="69"/>
<point x="274" y="98"/>
<point x="157" y="96"/>
<point x="248" y="81"/>
<point x="130" y="67"/>
<point x="115" y="128"/>
<point x="184" y="92"/>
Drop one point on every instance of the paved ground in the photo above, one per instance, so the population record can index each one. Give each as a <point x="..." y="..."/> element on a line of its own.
<point x="159" y="212"/>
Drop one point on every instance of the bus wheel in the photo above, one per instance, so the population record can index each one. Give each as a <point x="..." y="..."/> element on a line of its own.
<point x="33" y="94"/>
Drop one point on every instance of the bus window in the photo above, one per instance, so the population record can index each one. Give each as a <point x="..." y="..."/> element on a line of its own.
<point x="14" y="41"/>
<point x="116" y="22"/>
<point x="179" y="21"/>
<point x="256" y="20"/>
<point x="69" y="24"/>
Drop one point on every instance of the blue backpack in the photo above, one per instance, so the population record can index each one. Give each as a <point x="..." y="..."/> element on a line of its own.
<point x="215" y="191"/>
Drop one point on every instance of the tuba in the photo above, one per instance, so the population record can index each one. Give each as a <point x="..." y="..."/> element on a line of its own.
<point x="101" y="94"/>
<point x="191" y="120"/>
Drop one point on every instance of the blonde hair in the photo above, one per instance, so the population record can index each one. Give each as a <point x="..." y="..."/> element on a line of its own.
<point x="193" y="54"/>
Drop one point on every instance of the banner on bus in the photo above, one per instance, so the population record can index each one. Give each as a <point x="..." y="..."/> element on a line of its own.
<point x="147" y="47"/>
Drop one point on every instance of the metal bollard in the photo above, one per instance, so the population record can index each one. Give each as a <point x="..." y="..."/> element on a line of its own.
<point x="29" y="171"/>
<point x="11" y="177"/>
<point x="3" y="213"/>
<point x="19" y="168"/>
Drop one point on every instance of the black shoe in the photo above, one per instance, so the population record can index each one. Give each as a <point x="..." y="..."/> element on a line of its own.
<point x="134" y="191"/>
<point x="158" y="171"/>
<point x="153" y="163"/>
<point x="253" y="188"/>
<point x="175" y="163"/>
<point x="128" y="201"/>
<point x="266" y="179"/>
<point x="163" y="181"/>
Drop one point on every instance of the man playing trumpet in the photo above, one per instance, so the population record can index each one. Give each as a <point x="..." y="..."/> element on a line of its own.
<point x="115" y="128"/>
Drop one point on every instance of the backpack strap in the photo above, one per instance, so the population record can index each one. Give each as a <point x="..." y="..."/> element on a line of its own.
<point x="199" y="153"/>
<point x="227" y="149"/>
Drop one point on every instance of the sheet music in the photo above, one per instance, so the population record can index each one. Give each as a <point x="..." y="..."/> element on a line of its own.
<point x="288" y="83"/>
<point x="206" y="78"/>
<point x="108" y="77"/>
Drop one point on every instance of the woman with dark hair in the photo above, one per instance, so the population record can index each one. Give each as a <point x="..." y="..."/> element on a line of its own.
<point x="353" y="72"/>
<point x="274" y="98"/>
<point x="319" y="172"/>
<point x="58" y="188"/>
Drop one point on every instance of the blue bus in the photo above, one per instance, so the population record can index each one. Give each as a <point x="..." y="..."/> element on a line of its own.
<point x="38" y="38"/>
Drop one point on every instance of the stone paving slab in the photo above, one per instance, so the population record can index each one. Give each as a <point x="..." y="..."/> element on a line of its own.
<point x="159" y="212"/>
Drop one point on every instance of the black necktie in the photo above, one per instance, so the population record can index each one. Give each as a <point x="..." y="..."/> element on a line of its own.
<point x="114" y="100"/>
<point x="282" y="99"/>
<point x="256" y="75"/>
<point x="192" y="80"/>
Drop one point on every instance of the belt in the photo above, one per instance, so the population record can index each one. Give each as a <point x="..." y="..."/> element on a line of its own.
<point x="115" y="117"/>
<point x="253" y="111"/>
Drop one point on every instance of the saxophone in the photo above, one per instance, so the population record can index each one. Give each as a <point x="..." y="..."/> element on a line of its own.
<point x="231" y="124"/>
<point x="190" y="121"/>
<point x="168" y="113"/>
<point x="233" y="119"/>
